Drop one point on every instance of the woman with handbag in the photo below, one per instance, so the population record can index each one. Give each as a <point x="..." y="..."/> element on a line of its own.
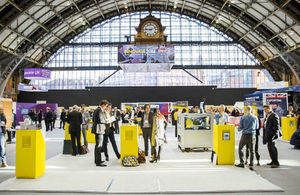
<point x="158" y="134"/>
<point x="109" y="133"/>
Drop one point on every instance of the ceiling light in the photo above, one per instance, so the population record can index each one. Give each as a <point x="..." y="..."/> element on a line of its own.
<point x="232" y="1"/>
<point x="291" y="32"/>
<point x="125" y="4"/>
<point x="68" y="3"/>
<point x="283" y="36"/>
<point x="175" y="4"/>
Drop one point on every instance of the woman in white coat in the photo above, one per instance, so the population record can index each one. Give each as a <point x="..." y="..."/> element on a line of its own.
<point x="158" y="134"/>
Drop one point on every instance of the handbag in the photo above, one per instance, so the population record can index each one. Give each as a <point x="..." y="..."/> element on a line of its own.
<point x="142" y="157"/>
<point x="130" y="161"/>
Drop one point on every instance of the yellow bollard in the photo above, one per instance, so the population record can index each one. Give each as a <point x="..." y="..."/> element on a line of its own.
<point x="129" y="141"/>
<point x="224" y="144"/>
<point x="288" y="126"/>
<point x="30" y="154"/>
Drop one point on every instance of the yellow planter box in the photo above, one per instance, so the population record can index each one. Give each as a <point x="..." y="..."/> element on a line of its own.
<point x="129" y="141"/>
<point x="224" y="144"/>
<point x="288" y="126"/>
<point x="30" y="154"/>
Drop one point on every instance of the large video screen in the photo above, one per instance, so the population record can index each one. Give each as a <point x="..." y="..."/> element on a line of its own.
<point x="140" y="54"/>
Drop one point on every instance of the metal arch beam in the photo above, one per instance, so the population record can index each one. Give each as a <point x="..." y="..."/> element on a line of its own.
<point x="133" y="4"/>
<point x="101" y="12"/>
<point x="5" y="79"/>
<point x="263" y="20"/>
<point x="32" y="18"/>
<point x="59" y="15"/>
<point x="13" y="19"/>
<point x="287" y="12"/>
<point x="220" y="10"/>
<point x="200" y="9"/>
<point x="291" y="67"/>
<point x="273" y="37"/>
<point x="86" y="20"/>
<point x="182" y="6"/>
<point x="116" y="4"/>
<point x="248" y="6"/>
<point x="26" y="38"/>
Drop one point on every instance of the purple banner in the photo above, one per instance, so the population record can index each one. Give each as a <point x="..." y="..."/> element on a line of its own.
<point x="24" y="108"/>
<point x="37" y="73"/>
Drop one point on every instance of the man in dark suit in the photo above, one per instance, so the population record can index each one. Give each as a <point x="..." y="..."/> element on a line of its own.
<point x="117" y="115"/>
<point x="75" y="121"/>
<point x="62" y="118"/>
<point x="48" y="118"/>
<point x="99" y="126"/>
<point x="270" y="134"/>
<point x="146" y="125"/>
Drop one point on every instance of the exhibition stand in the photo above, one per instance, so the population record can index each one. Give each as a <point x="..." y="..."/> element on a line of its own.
<point x="129" y="140"/>
<point x="288" y="126"/>
<point x="223" y="144"/>
<point x="30" y="154"/>
<point x="195" y="131"/>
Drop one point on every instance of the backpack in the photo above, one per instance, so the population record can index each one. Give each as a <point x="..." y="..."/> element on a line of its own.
<point x="130" y="161"/>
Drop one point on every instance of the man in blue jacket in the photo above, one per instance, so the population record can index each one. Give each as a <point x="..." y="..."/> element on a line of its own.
<point x="248" y="125"/>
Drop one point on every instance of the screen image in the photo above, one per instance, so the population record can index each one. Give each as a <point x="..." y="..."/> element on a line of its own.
<point x="197" y="123"/>
<point x="24" y="111"/>
<point x="142" y="54"/>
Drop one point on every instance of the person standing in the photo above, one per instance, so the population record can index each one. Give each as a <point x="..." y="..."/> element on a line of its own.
<point x="248" y="126"/>
<point x="221" y="117"/>
<point x="158" y="134"/>
<point x="99" y="126"/>
<point x="146" y="125"/>
<point x="62" y="119"/>
<point x="54" y="116"/>
<point x="109" y="134"/>
<point x="291" y="112"/>
<point x="40" y="117"/>
<point x="270" y="134"/>
<point x="2" y="137"/>
<point x="85" y="123"/>
<point x="117" y="115"/>
<point x="75" y="121"/>
<point x="256" y="140"/>
<point x="175" y="121"/>
<point x="14" y="124"/>
<point x="48" y="118"/>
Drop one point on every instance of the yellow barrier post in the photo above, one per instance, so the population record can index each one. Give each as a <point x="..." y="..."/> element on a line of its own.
<point x="288" y="126"/>
<point x="129" y="141"/>
<point x="224" y="144"/>
<point x="30" y="154"/>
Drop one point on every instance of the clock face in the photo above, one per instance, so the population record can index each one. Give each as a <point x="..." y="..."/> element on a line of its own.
<point x="150" y="29"/>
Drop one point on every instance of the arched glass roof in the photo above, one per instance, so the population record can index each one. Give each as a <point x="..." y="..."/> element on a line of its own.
<point x="92" y="56"/>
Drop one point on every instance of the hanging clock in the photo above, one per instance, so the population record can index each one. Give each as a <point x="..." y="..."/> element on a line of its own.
<point x="150" y="29"/>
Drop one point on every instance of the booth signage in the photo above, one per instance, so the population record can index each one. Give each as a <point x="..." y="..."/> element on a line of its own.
<point x="37" y="73"/>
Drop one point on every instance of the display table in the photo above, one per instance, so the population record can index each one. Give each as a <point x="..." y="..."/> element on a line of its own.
<point x="288" y="126"/>
<point x="223" y="144"/>
<point x="129" y="141"/>
<point x="30" y="154"/>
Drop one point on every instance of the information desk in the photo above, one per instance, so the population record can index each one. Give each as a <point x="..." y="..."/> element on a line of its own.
<point x="129" y="141"/>
<point x="30" y="154"/>
<point x="288" y="126"/>
<point x="195" y="131"/>
<point x="224" y="144"/>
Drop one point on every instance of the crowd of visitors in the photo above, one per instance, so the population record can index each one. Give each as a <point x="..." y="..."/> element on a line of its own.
<point x="153" y="125"/>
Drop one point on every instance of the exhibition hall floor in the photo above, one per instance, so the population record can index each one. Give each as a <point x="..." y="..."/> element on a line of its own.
<point x="177" y="172"/>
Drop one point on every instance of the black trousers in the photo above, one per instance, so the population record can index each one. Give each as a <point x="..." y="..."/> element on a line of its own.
<point x="255" y="149"/>
<point x="147" y="135"/>
<point x="76" y="136"/>
<point x="48" y="125"/>
<point x="8" y="136"/>
<point x="175" y="128"/>
<point x="98" y="148"/>
<point x="117" y="127"/>
<point x="248" y="140"/>
<point x="272" y="151"/>
<point x="53" y="124"/>
<point x="62" y="123"/>
<point x="111" y="137"/>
